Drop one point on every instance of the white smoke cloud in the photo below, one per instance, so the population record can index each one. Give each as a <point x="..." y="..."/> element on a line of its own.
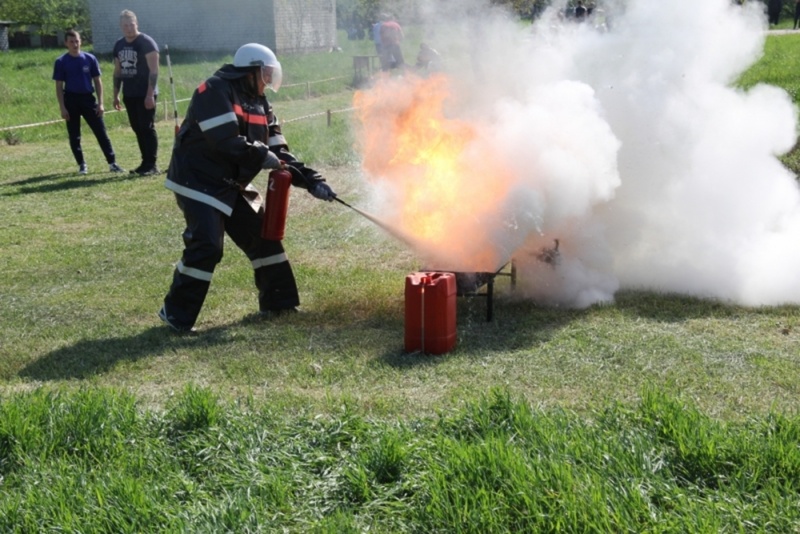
<point x="631" y="147"/>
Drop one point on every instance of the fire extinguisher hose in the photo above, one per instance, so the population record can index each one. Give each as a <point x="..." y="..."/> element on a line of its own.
<point x="382" y="225"/>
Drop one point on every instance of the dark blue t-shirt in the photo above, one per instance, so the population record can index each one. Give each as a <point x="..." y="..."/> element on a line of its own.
<point x="76" y="72"/>
<point x="133" y="64"/>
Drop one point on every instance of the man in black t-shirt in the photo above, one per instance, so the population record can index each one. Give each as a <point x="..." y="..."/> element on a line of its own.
<point x="136" y="74"/>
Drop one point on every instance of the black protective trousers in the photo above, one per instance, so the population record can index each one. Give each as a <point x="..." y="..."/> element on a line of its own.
<point x="203" y="242"/>
<point x="143" y="124"/>
<point x="86" y="106"/>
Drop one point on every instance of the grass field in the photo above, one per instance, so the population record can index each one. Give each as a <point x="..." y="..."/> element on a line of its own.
<point x="658" y="413"/>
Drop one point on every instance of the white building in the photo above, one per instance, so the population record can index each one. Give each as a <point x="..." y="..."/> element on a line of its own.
<point x="286" y="26"/>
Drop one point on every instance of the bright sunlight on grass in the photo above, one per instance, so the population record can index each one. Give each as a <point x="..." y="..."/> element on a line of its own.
<point x="657" y="413"/>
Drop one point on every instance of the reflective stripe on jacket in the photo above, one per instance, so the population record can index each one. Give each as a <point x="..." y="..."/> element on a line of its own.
<point x="221" y="144"/>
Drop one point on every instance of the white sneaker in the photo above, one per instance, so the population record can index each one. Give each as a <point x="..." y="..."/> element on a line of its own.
<point x="83" y="169"/>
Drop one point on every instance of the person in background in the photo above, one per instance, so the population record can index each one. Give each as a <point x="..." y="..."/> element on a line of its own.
<point x="77" y="77"/>
<point x="391" y="37"/>
<point x="580" y="11"/>
<point x="774" y="11"/>
<point x="796" y="13"/>
<point x="427" y="59"/>
<point x="228" y="136"/>
<point x="376" y="39"/>
<point x="136" y="74"/>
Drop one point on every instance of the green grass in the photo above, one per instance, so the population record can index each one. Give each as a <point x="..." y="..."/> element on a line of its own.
<point x="659" y="413"/>
<point x="87" y="261"/>
<point x="779" y="66"/>
<point x="493" y="465"/>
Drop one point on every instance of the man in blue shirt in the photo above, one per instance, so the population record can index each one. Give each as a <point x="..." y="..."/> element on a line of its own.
<point x="74" y="73"/>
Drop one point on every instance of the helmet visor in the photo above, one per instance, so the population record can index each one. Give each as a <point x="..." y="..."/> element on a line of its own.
<point x="272" y="76"/>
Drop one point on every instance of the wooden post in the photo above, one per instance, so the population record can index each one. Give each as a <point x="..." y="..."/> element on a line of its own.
<point x="329" y="118"/>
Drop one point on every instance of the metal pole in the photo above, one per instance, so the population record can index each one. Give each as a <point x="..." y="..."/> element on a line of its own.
<point x="172" y="85"/>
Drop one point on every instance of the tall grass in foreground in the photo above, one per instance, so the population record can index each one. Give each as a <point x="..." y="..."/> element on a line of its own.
<point x="92" y="461"/>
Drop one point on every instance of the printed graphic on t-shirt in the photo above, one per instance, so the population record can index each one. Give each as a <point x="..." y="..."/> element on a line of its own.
<point x="127" y="61"/>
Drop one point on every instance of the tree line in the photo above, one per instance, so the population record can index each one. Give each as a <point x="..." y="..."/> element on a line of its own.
<point x="58" y="15"/>
<point x="49" y="15"/>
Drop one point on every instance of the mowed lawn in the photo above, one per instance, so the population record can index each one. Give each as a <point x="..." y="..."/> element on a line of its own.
<point x="87" y="261"/>
<point x="658" y="412"/>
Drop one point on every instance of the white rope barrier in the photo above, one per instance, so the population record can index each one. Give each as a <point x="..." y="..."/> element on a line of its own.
<point x="56" y="121"/>
<point x="315" y="81"/>
<point x="30" y="125"/>
<point x="314" y="115"/>
<point x="306" y="84"/>
<point x="287" y="121"/>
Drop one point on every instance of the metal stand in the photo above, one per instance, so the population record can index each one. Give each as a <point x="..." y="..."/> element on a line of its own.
<point x="363" y="68"/>
<point x="470" y="284"/>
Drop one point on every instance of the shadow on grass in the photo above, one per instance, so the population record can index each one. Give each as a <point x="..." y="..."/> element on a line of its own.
<point x="61" y="182"/>
<point x="93" y="357"/>
<point x="671" y="307"/>
<point x="515" y="325"/>
<point x="521" y="325"/>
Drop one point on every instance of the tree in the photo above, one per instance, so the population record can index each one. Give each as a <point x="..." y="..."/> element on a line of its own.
<point x="366" y="12"/>
<point x="49" y="15"/>
<point x="524" y="8"/>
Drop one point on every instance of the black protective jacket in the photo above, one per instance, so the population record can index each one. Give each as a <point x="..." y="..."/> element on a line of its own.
<point x="223" y="141"/>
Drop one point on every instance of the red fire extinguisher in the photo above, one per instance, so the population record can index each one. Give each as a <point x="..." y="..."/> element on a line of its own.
<point x="277" y="205"/>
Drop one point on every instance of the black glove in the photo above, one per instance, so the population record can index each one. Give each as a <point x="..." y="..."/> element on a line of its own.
<point x="323" y="191"/>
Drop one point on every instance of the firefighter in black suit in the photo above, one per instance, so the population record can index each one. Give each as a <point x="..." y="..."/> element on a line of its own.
<point x="228" y="136"/>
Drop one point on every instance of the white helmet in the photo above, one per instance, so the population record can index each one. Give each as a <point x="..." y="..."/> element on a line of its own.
<point x="258" y="55"/>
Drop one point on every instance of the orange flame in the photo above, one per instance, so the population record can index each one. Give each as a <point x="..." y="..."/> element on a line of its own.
<point x="445" y="190"/>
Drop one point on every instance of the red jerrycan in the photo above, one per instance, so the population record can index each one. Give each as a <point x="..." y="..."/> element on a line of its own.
<point x="430" y="315"/>
<point x="277" y="205"/>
